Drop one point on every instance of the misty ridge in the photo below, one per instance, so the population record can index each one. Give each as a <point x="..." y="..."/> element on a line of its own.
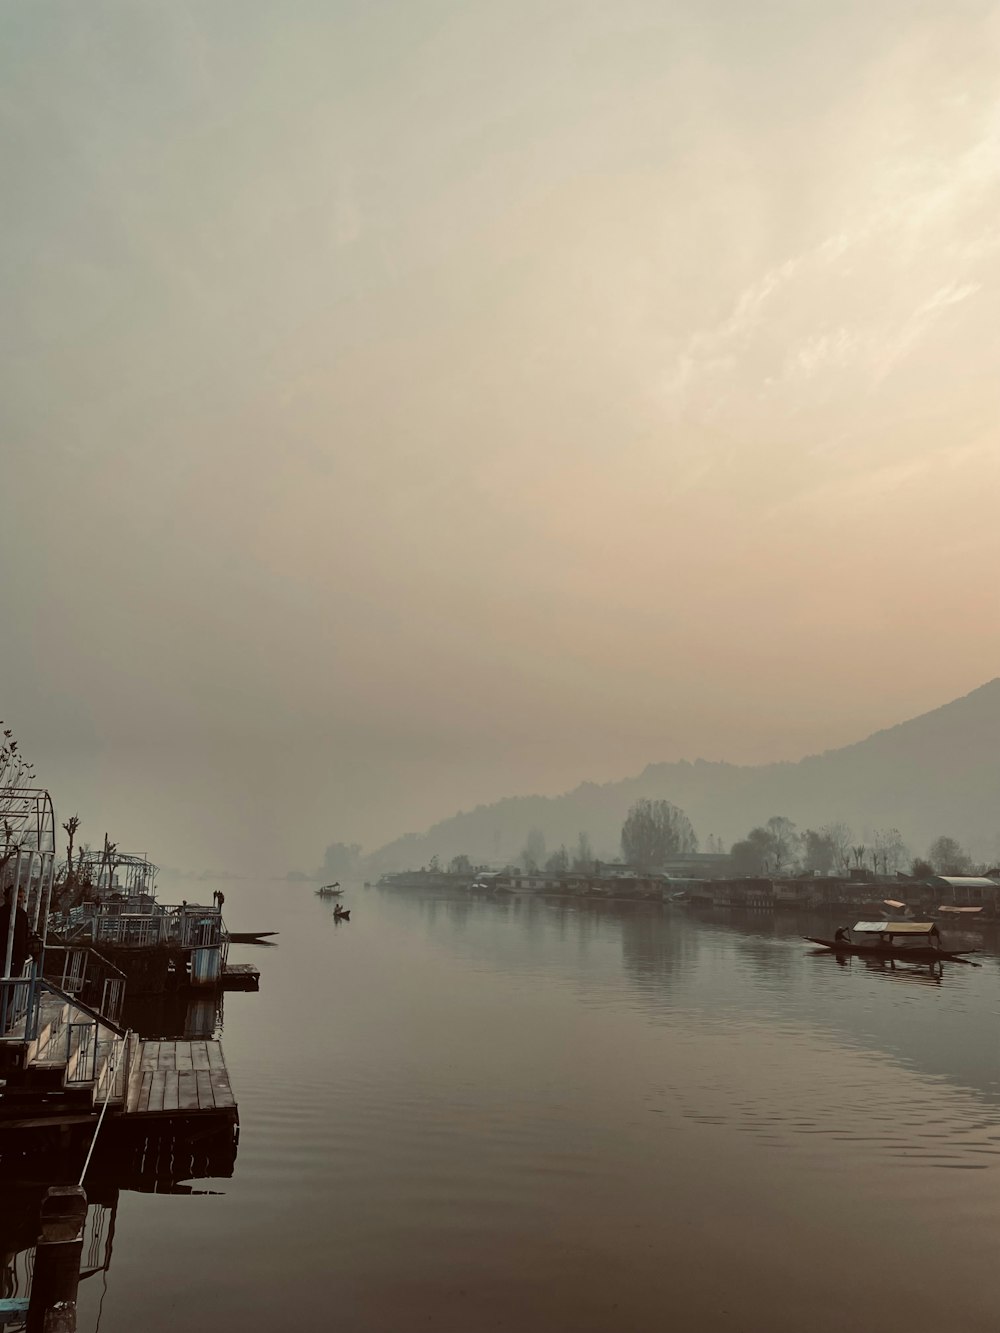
<point x="934" y="775"/>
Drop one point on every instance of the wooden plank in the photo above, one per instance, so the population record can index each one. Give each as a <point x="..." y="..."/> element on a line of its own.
<point x="216" y="1059"/>
<point x="135" y="1079"/>
<point x="157" y="1088"/>
<point x="171" y="1092"/>
<point x="222" y="1092"/>
<point x="187" y="1091"/>
<point x="167" y="1058"/>
<point x="149" y="1054"/>
<point x="199" y="1056"/>
<point x="183" y="1059"/>
<point x="144" y="1090"/>
<point x="206" y="1095"/>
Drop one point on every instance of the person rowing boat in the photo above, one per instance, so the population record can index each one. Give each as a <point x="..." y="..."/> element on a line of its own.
<point x="914" y="941"/>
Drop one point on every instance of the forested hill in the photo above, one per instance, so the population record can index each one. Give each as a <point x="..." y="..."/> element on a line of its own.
<point x="938" y="773"/>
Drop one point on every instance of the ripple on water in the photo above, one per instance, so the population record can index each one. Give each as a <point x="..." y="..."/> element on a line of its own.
<point x="808" y="1089"/>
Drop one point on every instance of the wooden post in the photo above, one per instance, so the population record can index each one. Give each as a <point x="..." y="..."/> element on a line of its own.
<point x="63" y="1220"/>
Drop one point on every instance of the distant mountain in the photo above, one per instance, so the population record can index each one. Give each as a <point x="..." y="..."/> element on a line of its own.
<point x="938" y="773"/>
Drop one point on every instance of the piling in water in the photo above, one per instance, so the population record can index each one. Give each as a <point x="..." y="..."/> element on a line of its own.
<point x="63" y="1219"/>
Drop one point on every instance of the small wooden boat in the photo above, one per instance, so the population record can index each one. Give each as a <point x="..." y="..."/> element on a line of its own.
<point x="341" y="914"/>
<point x="330" y="891"/>
<point x="901" y="941"/>
<point x="249" y="936"/>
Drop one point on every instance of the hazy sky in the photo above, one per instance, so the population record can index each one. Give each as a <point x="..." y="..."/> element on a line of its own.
<point x="408" y="403"/>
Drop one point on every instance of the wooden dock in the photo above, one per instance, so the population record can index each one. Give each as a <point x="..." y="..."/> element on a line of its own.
<point x="179" y="1078"/>
<point x="240" y="976"/>
<point x="73" y="1062"/>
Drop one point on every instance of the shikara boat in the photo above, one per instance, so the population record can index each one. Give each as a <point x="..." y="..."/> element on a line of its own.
<point x="330" y="891"/>
<point x="249" y="936"/>
<point x="902" y="941"/>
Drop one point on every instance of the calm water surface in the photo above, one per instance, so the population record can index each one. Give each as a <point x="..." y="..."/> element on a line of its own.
<point x="530" y="1115"/>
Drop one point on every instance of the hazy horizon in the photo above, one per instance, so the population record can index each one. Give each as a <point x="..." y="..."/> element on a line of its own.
<point x="407" y="406"/>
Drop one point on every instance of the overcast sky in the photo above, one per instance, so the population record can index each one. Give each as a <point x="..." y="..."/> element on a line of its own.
<point x="410" y="402"/>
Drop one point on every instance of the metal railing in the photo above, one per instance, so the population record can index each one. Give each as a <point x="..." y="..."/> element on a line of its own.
<point x="18" y="1001"/>
<point x="89" y="1044"/>
<point x="83" y="974"/>
<point x="82" y="1040"/>
<point x="181" y="927"/>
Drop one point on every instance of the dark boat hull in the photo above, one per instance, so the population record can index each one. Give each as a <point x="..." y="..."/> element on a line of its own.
<point x="916" y="955"/>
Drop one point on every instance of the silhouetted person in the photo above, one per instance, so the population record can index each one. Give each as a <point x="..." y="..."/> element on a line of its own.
<point x="19" y="952"/>
<point x="842" y="936"/>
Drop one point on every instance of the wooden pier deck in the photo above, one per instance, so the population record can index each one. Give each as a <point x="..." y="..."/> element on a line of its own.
<point x="66" y="1074"/>
<point x="240" y="976"/>
<point x="179" y="1078"/>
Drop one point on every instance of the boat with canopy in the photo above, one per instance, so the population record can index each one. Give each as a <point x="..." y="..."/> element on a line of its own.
<point x="910" y="941"/>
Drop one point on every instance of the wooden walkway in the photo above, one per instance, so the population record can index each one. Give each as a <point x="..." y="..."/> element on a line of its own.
<point x="179" y="1078"/>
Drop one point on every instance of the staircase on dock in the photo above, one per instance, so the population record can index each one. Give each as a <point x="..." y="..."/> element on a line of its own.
<point x="63" y="1061"/>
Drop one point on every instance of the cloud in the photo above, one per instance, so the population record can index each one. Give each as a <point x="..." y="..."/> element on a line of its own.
<point x="908" y="237"/>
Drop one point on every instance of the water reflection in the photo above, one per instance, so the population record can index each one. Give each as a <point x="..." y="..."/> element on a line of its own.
<point x="656" y="947"/>
<point x="18" y="1231"/>
<point x="176" y="1015"/>
<point x="739" y="971"/>
<point x="142" y="1158"/>
<point x="144" y="1162"/>
<point x="927" y="974"/>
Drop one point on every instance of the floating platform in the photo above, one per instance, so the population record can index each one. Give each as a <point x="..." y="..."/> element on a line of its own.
<point x="70" y="1062"/>
<point x="240" y="976"/>
<point x="174" y="1078"/>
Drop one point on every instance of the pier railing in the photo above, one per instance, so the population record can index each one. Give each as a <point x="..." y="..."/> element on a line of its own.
<point x="183" y="927"/>
<point x="18" y="1008"/>
<point x="83" y="974"/>
<point x="67" y="1034"/>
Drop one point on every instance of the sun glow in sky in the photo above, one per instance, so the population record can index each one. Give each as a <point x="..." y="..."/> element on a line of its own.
<point x="409" y="404"/>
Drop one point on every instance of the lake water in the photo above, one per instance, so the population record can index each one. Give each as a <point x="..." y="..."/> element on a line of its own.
<point x="537" y="1115"/>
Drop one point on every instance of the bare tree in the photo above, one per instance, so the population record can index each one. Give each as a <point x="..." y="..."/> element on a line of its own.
<point x="889" y="849"/>
<point x="558" y="862"/>
<point x="654" y="831"/>
<point x="15" y="771"/>
<point x="785" y="842"/>
<point x="583" y="854"/>
<point x="840" y="840"/>
<point x="15" y="775"/>
<point x="819" y="852"/>
<point x="533" y="855"/>
<point x="948" y="857"/>
<point x="71" y="825"/>
<point x="110" y="861"/>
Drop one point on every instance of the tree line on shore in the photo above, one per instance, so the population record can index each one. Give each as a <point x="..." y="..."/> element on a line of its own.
<point x="780" y="848"/>
<point x="654" y="833"/>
